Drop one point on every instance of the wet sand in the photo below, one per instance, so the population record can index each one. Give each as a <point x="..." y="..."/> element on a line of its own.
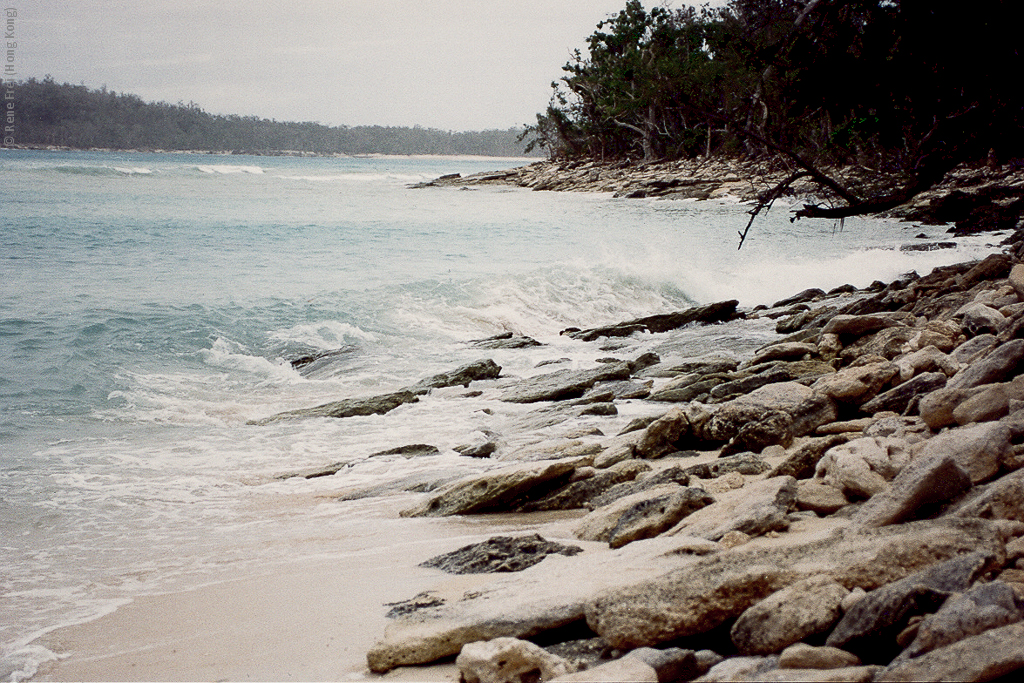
<point x="312" y="619"/>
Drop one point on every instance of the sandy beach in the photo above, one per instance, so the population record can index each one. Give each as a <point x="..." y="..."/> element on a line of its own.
<point x="313" y="619"/>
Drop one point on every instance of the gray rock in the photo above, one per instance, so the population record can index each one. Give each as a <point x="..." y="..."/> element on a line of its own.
<point x="979" y="449"/>
<point x="623" y="389"/>
<point x="803" y="461"/>
<point x="652" y="516"/>
<point x="863" y="467"/>
<point x="803" y="656"/>
<point x="856" y="385"/>
<point x="925" y="482"/>
<point x="414" y="450"/>
<point x="505" y="341"/>
<point x="710" y="590"/>
<point x="653" y="503"/>
<point x="478" y="370"/>
<point x="1000" y="499"/>
<point x="376" y="405"/>
<point x="760" y="507"/>
<point x="712" y="313"/>
<point x="744" y="463"/>
<point x="690" y="390"/>
<point x="818" y="497"/>
<point x="981" y="319"/>
<point x="999" y="365"/>
<point x="643" y="482"/>
<point x="899" y="398"/>
<point x="580" y="494"/>
<point x="773" y="428"/>
<point x="796" y="612"/>
<point x="497" y="490"/>
<point x="870" y="627"/>
<point x="801" y="297"/>
<point x="973" y="348"/>
<point x="783" y="351"/>
<point x="988" y="656"/>
<point x="807" y="409"/>
<point x="983" y="607"/>
<point x="564" y="384"/>
<point x="860" y="325"/>
<point x="663" y="435"/>
<point x="499" y="554"/>
<point x="484" y="449"/>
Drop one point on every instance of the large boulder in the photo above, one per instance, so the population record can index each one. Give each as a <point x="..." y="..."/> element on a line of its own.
<point x="978" y="449"/>
<point x="923" y="484"/>
<point x="856" y="385"/>
<point x="350" y="407"/>
<point x="479" y="370"/>
<point x="579" y="493"/>
<point x="642" y="514"/>
<point x="863" y="467"/>
<point x="999" y="365"/>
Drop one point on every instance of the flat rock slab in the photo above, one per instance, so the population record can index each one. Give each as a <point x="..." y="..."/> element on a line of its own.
<point x="350" y="407"/>
<point x="499" y="554"/>
<point x="565" y="384"/>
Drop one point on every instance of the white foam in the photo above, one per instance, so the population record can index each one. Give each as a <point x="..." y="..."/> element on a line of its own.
<point x="228" y="169"/>
<point x="327" y="334"/>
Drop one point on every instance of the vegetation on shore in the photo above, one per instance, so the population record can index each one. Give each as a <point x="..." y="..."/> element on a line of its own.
<point x="64" y="115"/>
<point x="904" y="88"/>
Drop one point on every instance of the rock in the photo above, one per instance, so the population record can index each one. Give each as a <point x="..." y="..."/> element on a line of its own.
<point x="782" y="351"/>
<point x="856" y="385"/>
<point x="859" y="325"/>
<point x="564" y="384"/>
<point x="803" y="656"/>
<point x="991" y="267"/>
<point x="796" y="612"/>
<point x="484" y="449"/>
<point x="622" y="389"/>
<point x="991" y="403"/>
<point x="479" y="370"/>
<point x="984" y="606"/>
<point x="928" y="359"/>
<point x="807" y="410"/>
<point x="741" y="463"/>
<point x="740" y="669"/>
<point x="1017" y="279"/>
<point x="870" y="627"/>
<point x="550" y="595"/>
<point x="652" y="516"/>
<point x="505" y="341"/>
<point x="644" y="664"/>
<point x="991" y="655"/>
<point x="658" y="501"/>
<point x="899" y="398"/>
<point x="663" y="435"/>
<point x="689" y="388"/>
<point x="974" y="348"/>
<point x="1001" y="364"/>
<point x="777" y="372"/>
<point x="508" y="660"/>
<point x="617" y="449"/>
<point x="579" y="494"/>
<point x="497" y="490"/>
<point x="818" y="497"/>
<point x="863" y="467"/>
<point x="981" y="319"/>
<point x="979" y="449"/>
<point x="802" y="462"/>
<point x="712" y="313"/>
<point x="414" y="450"/>
<point x="924" y="482"/>
<point x="848" y="674"/>
<point x="376" y="405"/>
<point x="643" y="482"/>
<point x="761" y="507"/>
<point x="499" y="554"/>
<point x="710" y="590"/>
<point x="801" y="297"/>
<point x="1000" y="499"/>
<point x="774" y="428"/>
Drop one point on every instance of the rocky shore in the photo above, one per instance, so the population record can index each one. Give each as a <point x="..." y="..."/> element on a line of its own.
<point x="843" y="503"/>
<point x="972" y="199"/>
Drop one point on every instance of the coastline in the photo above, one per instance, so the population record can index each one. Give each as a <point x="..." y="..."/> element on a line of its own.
<point x="242" y="629"/>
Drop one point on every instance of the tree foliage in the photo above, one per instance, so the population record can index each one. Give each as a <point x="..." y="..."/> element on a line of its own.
<point x="909" y="87"/>
<point x="49" y="113"/>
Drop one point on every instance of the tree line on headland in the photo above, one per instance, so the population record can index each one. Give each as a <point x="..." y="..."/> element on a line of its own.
<point x="63" y="115"/>
<point x="908" y="88"/>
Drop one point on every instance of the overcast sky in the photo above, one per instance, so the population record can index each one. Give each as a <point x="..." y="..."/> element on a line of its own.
<point x="449" y="64"/>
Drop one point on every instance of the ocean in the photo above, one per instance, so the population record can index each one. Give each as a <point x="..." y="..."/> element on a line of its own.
<point x="150" y="305"/>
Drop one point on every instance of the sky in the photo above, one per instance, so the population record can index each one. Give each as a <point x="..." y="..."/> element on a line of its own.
<point x="447" y="64"/>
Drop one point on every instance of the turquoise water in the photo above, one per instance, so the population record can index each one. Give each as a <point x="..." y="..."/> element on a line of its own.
<point x="149" y="305"/>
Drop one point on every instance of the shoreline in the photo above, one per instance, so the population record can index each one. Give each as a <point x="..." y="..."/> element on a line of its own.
<point x="243" y="630"/>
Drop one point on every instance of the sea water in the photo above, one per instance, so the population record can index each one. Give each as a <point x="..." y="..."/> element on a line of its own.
<point x="150" y="305"/>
